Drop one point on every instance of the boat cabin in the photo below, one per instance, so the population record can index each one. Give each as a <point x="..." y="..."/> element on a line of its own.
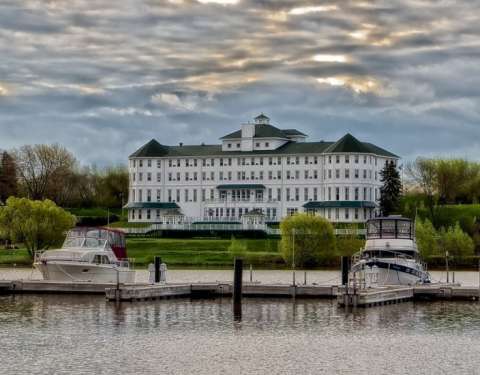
<point x="391" y="236"/>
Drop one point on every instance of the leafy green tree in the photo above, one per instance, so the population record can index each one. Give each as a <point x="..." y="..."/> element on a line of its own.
<point x="8" y="177"/>
<point x="312" y="237"/>
<point x="350" y="243"/>
<point x="391" y="190"/>
<point x="38" y="224"/>
<point x="456" y="242"/>
<point x="427" y="238"/>
<point x="237" y="248"/>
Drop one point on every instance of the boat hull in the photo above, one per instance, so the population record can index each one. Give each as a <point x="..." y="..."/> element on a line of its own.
<point x="385" y="272"/>
<point x="94" y="273"/>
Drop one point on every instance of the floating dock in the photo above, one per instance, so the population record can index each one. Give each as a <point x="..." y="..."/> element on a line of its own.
<point x="346" y="297"/>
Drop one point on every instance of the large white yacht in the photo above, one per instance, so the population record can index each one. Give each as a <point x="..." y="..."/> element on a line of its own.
<point x="96" y="255"/>
<point x="390" y="255"/>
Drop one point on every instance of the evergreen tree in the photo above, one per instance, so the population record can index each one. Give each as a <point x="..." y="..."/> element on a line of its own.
<point x="8" y="177"/>
<point x="391" y="190"/>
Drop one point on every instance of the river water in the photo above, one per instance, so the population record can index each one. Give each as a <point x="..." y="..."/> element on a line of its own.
<point x="61" y="334"/>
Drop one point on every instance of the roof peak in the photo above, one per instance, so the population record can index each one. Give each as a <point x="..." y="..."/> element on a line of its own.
<point x="348" y="143"/>
<point x="261" y="119"/>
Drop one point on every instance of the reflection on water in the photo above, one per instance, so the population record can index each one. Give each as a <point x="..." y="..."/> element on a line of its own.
<point x="84" y="334"/>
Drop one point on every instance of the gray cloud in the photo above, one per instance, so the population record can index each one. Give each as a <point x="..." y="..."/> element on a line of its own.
<point x="103" y="78"/>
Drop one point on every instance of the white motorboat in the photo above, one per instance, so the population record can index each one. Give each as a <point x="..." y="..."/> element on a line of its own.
<point x="96" y="255"/>
<point x="390" y="255"/>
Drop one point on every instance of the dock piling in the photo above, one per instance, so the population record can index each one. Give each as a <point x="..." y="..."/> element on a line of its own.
<point x="345" y="265"/>
<point x="237" y="288"/>
<point x="157" y="261"/>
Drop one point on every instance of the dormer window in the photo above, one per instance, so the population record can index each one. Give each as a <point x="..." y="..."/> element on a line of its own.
<point x="257" y="144"/>
<point x="238" y="145"/>
<point x="267" y="144"/>
<point x="229" y="145"/>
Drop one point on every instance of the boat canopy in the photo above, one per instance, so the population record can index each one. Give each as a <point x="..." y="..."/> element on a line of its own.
<point x="91" y="237"/>
<point x="390" y="227"/>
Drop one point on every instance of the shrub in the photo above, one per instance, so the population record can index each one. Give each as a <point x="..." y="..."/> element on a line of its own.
<point x="309" y="239"/>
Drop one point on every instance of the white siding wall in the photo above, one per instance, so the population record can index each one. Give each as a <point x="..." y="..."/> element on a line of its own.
<point x="292" y="168"/>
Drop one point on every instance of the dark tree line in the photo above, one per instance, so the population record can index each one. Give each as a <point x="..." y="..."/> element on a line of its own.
<point x="52" y="172"/>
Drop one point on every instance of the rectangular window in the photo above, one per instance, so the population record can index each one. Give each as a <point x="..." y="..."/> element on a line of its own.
<point x="347" y="193"/>
<point x="305" y="194"/>
<point x="279" y="194"/>
<point x="159" y="198"/>
<point x="149" y="195"/>
<point x="149" y="163"/>
<point x="186" y="195"/>
<point x="178" y="195"/>
<point x="347" y="214"/>
<point x="194" y="195"/>
<point x="159" y="176"/>
<point x="169" y="195"/>
<point x="357" y="197"/>
<point x="279" y="175"/>
<point x="305" y="176"/>
<point x="347" y="173"/>
<point x="287" y="192"/>
<point x="337" y="159"/>
<point x="329" y="173"/>
<point x="297" y="175"/>
<point x="347" y="159"/>
<point x="357" y="173"/>
<point x="356" y="159"/>
<point x="337" y="173"/>
<point x="203" y="195"/>
<point x="159" y="163"/>
<point x="315" y="194"/>
<point x="315" y="160"/>
<point x="140" y="163"/>
<point x="329" y="193"/>
<point x="140" y="176"/>
<point x="356" y="213"/>
<point x="297" y="194"/>
<point x="178" y="176"/>
<point x="337" y="193"/>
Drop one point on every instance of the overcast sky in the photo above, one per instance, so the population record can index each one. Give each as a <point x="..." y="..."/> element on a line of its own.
<point x="103" y="77"/>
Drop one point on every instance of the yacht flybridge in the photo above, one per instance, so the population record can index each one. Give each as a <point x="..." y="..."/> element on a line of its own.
<point x="390" y="255"/>
<point x="96" y="255"/>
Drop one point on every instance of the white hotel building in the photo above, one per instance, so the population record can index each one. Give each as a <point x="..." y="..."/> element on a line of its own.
<point x="259" y="172"/>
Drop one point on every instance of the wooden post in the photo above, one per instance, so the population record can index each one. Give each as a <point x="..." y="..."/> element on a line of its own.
<point x="158" y="261"/>
<point x="251" y="273"/>
<point x="446" y="265"/>
<point x="345" y="265"/>
<point x="237" y="289"/>
<point x="305" y="278"/>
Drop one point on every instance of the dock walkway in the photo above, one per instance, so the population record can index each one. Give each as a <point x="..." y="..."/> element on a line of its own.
<point x="345" y="296"/>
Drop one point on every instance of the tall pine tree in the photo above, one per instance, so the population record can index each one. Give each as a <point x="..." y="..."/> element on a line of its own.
<point x="391" y="190"/>
<point x="8" y="177"/>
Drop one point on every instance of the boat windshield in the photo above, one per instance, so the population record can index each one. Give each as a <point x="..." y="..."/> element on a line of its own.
<point x="85" y="239"/>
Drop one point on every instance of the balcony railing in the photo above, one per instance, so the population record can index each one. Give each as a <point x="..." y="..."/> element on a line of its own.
<point x="240" y="201"/>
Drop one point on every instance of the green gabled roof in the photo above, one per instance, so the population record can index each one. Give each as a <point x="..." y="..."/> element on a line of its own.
<point x="348" y="143"/>
<point x="153" y="205"/>
<point x="152" y="148"/>
<point x="240" y="186"/>
<point x="380" y="151"/>
<point x="339" y="204"/>
<point x="293" y="132"/>
<point x="155" y="149"/>
<point x="261" y="131"/>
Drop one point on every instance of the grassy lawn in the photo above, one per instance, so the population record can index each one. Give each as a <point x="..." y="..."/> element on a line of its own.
<point x="202" y="252"/>
<point x="20" y="257"/>
<point x="198" y="253"/>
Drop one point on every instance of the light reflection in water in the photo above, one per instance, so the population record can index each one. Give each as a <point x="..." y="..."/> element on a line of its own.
<point x="84" y="334"/>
